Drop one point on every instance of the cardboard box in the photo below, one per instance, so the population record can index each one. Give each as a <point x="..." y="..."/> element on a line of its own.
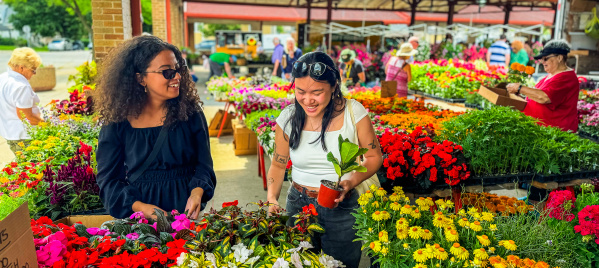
<point x="16" y="240"/>
<point x="217" y="120"/>
<point x="502" y="97"/>
<point x="245" y="141"/>
<point x="87" y="220"/>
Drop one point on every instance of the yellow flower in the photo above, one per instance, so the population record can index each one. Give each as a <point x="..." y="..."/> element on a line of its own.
<point x="484" y="240"/>
<point x="384" y="251"/>
<point x="452" y="236"/>
<point x="36" y="143"/>
<point x="416" y="214"/>
<point x="402" y="233"/>
<point x="370" y="230"/>
<point x="480" y="254"/>
<point x="440" y="203"/>
<point x="492" y="249"/>
<point x="455" y="249"/>
<point x="427" y="235"/>
<point x="385" y="215"/>
<point x="32" y="148"/>
<point x="441" y="254"/>
<point x="493" y="227"/>
<point x="398" y="190"/>
<point x="449" y="204"/>
<point x="462" y="212"/>
<point x="380" y="192"/>
<point x="415" y="232"/>
<point x="420" y="255"/>
<point x="463" y="254"/>
<point x="402" y="223"/>
<point x="472" y="211"/>
<point x="406" y="245"/>
<point x="21" y="144"/>
<point x="375" y="204"/>
<point x="375" y="246"/>
<point x="508" y="244"/>
<point x="372" y="188"/>
<point x="475" y="226"/>
<point x="407" y="209"/>
<point x="395" y="197"/>
<point x="367" y="195"/>
<point x="487" y="217"/>
<point x="439" y="221"/>
<point x="395" y="206"/>
<point x="363" y="201"/>
<point x="384" y="236"/>
<point x="479" y="263"/>
<point x="377" y="216"/>
<point x="420" y="265"/>
<point x="463" y="222"/>
<point x="407" y="199"/>
<point x="497" y="262"/>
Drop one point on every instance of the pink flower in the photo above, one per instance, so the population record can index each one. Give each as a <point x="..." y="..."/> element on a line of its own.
<point x="181" y="222"/>
<point x="137" y="215"/>
<point x="155" y="225"/>
<point x="133" y="236"/>
<point x="97" y="231"/>
<point x="52" y="252"/>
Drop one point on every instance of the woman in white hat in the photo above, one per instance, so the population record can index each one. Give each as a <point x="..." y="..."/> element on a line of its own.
<point x="398" y="69"/>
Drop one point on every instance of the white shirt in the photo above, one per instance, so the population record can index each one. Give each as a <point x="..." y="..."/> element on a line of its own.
<point x="310" y="164"/>
<point x="15" y="92"/>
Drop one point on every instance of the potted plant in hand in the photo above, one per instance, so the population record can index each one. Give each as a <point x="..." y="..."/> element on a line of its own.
<point x="349" y="152"/>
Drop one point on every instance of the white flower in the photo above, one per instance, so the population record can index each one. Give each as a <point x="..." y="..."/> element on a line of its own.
<point x="305" y="245"/>
<point x="232" y="265"/>
<point x="210" y="257"/>
<point x="295" y="259"/>
<point x="329" y="262"/>
<point x="294" y="250"/>
<point x="241" y="253"/>
<point x="181" y="259"/>
<point x="307" y="262"/>
<point x="193" y="264"/>
<point x="280" y="263"/>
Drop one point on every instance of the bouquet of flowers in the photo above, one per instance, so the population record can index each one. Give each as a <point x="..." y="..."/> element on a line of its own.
<point x="519" y="73"/>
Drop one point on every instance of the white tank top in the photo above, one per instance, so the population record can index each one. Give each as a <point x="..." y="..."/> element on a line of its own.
<point x="310" y="164"/>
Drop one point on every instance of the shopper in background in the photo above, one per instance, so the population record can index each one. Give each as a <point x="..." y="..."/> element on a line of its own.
<point x="17" y="99"/>
<point x="277" y="58"/>
<point x="415" y="42"/>
<point x="553" y="100"/>
<point x="220" y="60"/>
<point x="292" y="53"/>
<point x="352" y="69"/>
<point x="518" y="55"/>
<point x="399" y="69"/>
<point x="499" y="53"/>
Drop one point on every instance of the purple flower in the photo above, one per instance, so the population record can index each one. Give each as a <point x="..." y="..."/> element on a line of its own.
<point x="133" y="236"/>
<point x="181" y="222"/>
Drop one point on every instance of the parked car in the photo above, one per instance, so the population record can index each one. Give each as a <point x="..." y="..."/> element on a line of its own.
<point x="78" y="45"/>
<point x="205" y="46"/>
<point x="60" y="44"/>
<point x="90" y="46"/>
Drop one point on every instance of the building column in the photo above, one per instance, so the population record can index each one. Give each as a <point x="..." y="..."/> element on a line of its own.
<point x="159" y="25"/>
<point x="108" y="25"/>
<point x="177" y="23"/>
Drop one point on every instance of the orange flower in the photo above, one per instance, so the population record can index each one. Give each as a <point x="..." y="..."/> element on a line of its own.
<point x="530" y="70"/>
<point x="521" y="68"/>
<point x="514" y="66"/>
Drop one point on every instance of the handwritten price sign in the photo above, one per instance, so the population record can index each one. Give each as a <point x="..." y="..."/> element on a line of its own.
<point x="16" y="240"/>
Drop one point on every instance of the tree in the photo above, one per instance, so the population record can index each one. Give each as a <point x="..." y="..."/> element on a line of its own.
<point x="46" y="19"/>
<point x="146" y="13"/>
<point x="209" y="29"/>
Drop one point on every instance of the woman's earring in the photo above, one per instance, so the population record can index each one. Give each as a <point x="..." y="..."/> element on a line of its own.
<point x="145" y="89"/>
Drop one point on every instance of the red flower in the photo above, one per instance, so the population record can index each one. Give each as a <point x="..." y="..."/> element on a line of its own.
<point x="85" y="149"/>
<point x="310" y="210"/>
<point x="229" y="204"/>
<point x="89" y="170"/>
<point x="289" y="164"/>
<point x="77" y="259"/>
<point x="13" y="164"/>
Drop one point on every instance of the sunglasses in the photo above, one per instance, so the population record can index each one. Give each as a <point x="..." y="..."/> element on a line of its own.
<point x="547" y="57"/>
<point x="170" y="73"/>
<point x="316" y="70"/>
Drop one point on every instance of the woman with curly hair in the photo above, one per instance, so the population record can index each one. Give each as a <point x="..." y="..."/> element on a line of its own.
<point x="153" y="150"/>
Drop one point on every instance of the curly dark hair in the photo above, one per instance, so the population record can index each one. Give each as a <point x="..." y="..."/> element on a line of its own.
<point x="118" y="93"/>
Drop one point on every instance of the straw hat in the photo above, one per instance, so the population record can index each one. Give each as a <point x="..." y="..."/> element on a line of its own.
<point x="407" y="50"/>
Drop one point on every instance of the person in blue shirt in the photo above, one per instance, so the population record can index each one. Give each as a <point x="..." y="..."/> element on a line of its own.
<point x="499" y="53"/>
<point x="144" y="92"/>
<point x="277" y="58"/>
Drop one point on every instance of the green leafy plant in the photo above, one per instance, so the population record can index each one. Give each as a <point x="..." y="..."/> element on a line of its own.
<point x="86" y="75"/>
<point x="349" y="153"/>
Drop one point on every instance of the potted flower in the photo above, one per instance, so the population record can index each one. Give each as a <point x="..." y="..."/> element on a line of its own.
<point x="349" y="152"/>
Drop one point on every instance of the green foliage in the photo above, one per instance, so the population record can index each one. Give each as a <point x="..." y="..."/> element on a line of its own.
<point x="47" y="18"/>
<point x="19" y="42"/>
<point x="210" y="29"/>
<point x="252" y="120"/>
<point x="8" y="204"/>
<point x="146" y="11"/>
<point x="349" y="152"/>
<point x="503" y="141"/>
<point x="538" y="240"/>
<point x="86" y="74"/>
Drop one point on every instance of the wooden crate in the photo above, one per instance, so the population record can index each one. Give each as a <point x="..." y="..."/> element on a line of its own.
<point x="217" y="120"/>
<point x="245" y="141"/>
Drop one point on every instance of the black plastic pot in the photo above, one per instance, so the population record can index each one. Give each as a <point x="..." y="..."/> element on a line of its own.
<point x="499" y="179"/>
<point x="588" y="136"/>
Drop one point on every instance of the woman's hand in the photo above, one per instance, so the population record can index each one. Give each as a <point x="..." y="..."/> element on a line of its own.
<point x="274" y="207"/>
<point x="194" y="203"/>
<point x="147" y="209"/>
<point x="513" y="88"/>
<point x="347" y="185"/>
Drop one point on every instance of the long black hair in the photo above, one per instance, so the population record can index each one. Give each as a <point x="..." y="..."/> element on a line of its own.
<point x="333" y="78"/>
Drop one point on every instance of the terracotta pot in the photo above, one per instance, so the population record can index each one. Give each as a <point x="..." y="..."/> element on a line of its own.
<point x="327" y="195"/>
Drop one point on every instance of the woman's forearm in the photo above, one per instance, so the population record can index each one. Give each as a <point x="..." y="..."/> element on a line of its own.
<point x="535" y="94"/>
<point x="274" y="182"/>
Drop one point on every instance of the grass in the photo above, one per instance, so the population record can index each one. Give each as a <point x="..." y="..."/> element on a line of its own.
<point x="38" y="49"/>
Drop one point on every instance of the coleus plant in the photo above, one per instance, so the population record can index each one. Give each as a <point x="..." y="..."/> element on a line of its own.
<point x="349" y="153"/>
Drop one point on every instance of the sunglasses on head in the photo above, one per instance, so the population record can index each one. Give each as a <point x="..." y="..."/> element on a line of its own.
<point x="315" y="70"/>
<point x="170" y="73"/>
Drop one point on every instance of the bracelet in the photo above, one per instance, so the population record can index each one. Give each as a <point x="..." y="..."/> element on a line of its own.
<point x="519" y="88"/>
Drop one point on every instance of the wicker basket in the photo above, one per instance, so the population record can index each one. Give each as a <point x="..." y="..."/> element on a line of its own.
<point x="44" y="79"/>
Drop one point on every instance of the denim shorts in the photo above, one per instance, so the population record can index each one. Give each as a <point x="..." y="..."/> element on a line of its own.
<point x="338" y="223"/>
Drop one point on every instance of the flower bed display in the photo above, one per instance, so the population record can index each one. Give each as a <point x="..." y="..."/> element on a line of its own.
<point x="253" y="102"/>
<point x="220" y="238"/>
<point x="263" y="123"/>
<point x="427" y="234"/>
<point x="588" y="113"/>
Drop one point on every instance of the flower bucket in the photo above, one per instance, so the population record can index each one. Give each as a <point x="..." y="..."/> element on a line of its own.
<point x="327" y="195"/>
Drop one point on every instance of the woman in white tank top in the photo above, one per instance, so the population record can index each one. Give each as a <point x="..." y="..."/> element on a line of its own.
<point x="305" y="133"/>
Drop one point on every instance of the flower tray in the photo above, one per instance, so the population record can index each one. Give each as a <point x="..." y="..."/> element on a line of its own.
<point x="417" y="92"/>
<point x="588" y="136"/>
<point x="564" y="177"/>
<point x="64" y="214"/>
<point x="473" y="106"/>
<point x="498" y="179"/>
<point x="445" y="99"/>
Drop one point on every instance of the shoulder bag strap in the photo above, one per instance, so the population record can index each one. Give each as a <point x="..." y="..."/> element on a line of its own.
<point x="399" y="71"/>
<point x="157" y="146"/>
